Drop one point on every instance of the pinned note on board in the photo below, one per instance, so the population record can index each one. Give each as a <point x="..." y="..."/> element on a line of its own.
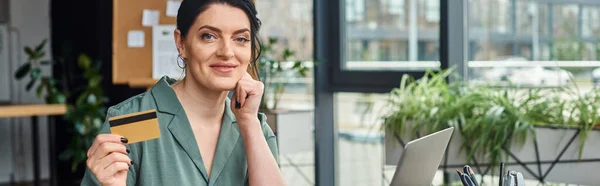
<point x="164" y="53"/>
<point x="172" y="8"/>
<point x="150" y="17"/>
<point x="135" y="39"/>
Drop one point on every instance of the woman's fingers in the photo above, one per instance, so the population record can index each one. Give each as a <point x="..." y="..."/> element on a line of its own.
<point x="246" y="88"/>
<point x="110" y="159"/>
<point x="113" y="169"/>
<point x="101" y="139"/>
<point x="246" y="83"/>
<point x="242" y="94"/>
<point x="233" y="99"/>
<point x="106" y="148"/>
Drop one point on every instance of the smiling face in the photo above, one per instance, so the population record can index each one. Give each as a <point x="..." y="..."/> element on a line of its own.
<point x="217" y="47"/>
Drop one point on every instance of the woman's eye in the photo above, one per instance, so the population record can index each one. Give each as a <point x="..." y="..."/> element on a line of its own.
<point x="241" y="40"/>
<point x="208" y="37"/>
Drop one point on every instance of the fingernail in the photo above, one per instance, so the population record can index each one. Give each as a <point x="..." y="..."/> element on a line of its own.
<point x="123" y="140"/>
<point x="127" y="151"/>
<point x="237" y="104"/>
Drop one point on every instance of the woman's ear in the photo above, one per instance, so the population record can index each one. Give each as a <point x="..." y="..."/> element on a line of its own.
<point x="179" y="43"/>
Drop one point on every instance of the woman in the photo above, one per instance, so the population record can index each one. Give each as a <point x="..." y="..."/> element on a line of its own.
<point x="206" y="139"/>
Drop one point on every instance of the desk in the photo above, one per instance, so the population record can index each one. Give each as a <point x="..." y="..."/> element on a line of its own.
<point x="33" y="111"/>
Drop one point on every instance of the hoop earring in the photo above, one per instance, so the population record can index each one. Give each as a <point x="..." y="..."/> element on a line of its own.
<point x="182" y="61"/>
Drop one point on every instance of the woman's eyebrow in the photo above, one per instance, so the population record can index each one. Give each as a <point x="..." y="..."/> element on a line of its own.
<point x="215" y="29"/>
<point x="241" y="31"/>
<point x="210" y="28"/>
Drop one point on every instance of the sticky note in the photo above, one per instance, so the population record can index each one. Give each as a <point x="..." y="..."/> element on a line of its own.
<point x="172" y="8"/>
<point x="150" y="17"/>
<point x="135" y="39"/>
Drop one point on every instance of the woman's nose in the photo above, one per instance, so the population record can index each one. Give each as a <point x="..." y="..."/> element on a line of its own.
<point x="225" y="51"/>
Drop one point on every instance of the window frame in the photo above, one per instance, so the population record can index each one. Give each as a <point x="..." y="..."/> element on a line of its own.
<point x="342" y="80"/>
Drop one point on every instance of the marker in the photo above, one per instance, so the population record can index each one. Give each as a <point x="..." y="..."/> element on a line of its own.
<point x="462" y="179"/>
<point x="468" y="170"/>
<point x="468" y="180"/>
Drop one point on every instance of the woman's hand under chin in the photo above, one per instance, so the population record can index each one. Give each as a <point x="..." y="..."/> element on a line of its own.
<point x="246" y="100"/>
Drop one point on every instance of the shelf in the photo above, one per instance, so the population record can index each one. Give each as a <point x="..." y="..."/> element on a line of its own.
<point x="9" y="111"/>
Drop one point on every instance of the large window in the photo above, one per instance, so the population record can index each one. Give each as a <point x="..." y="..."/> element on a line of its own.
<point x="547" y="45"/>
<point x="393" y="32"/>
<point x="383" y="39"/>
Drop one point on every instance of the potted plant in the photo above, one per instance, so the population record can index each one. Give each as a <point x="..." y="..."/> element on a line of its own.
<point x="533" y="130"/>
<point x="82" y="93"/>
<point x="277" y="72"/>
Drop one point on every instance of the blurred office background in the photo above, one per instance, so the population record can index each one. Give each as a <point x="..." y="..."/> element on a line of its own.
<point x="361" y="49"/>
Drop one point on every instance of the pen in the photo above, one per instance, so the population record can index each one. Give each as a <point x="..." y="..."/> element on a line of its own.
<point x="501" y="174"/>
<point x="469" y="171"/>
<point x="468" y="180"/>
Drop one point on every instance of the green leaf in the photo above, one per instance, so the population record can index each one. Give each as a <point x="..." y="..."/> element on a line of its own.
<point x="39" y="90"/>
<point x="303" y="72"/>
<point x="23" y="70"/>
<point x="97" y="123"/>
<point x="39" y="55"/>
<point x="297" y="64"/>
<point x="95" y="81"/>
<point x="82" y="97"/>
<point x="30" y="84"/>
<point x="91" y="99"/>
<point x="272" y="40"/>
<point x="84" y="61"/>
<point x="40" y="47"/>
<point x="61" y="98"/>
<point x="287" y="53"/>
<point x="80" y="128"/>
<point x="29" y="52"/>
<point x="36" y="73"/>
<point x="52" y="82"/>
<point x="46" y="62"/>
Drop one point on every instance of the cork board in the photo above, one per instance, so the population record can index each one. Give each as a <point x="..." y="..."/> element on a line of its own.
<point x="135" y="64"/>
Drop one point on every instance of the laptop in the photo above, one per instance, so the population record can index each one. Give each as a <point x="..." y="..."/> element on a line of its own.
<point x="421" y="158"/>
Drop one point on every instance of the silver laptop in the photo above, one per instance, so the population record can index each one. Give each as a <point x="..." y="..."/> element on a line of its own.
<point x="421" y="158"/>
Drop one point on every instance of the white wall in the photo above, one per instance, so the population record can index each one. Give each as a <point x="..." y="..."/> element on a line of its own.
<point x="29" y="25"/>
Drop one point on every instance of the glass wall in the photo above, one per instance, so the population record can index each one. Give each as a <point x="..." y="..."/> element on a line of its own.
<point x="380" y="35"/>
<point x="391" y="34"/>
<point x="526" y="43"/>
<point x="288" y="93"/>
<point x="522" y="43"/>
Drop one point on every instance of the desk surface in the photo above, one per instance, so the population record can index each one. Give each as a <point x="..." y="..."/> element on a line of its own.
<point x="9" y="111"/>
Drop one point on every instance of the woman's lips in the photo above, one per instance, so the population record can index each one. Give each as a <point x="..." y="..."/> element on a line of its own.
<point x="224" y="68"/>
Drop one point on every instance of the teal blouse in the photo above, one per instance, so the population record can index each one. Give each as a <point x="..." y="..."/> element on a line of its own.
<point x="174" y="158"/>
